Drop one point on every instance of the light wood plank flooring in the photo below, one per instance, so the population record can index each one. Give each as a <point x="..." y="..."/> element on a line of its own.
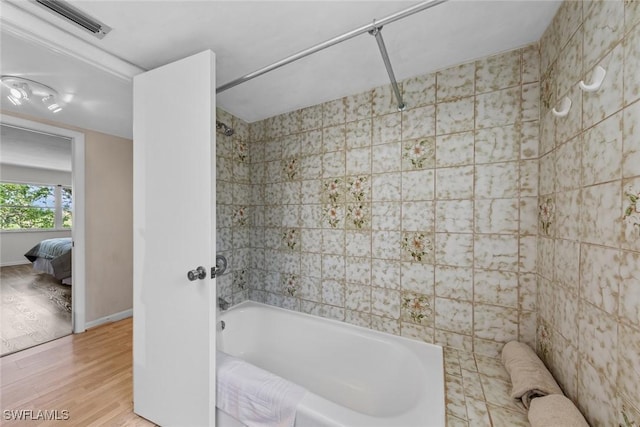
<point x="89" y="375"/>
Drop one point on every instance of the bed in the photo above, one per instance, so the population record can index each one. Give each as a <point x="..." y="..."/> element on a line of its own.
<point x="53" y="256"/>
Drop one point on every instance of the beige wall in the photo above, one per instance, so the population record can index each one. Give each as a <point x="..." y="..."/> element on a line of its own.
<point x="589" y="254"/>
<point x="109" y="221"/>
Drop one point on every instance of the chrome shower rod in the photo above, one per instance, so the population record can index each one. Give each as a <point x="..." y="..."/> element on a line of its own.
<point x="377" y="33"/>
<point x="339" y="39"/>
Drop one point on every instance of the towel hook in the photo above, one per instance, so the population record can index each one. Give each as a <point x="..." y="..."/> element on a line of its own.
<point x="565" y="106"/>
<point x="598" y="77"/>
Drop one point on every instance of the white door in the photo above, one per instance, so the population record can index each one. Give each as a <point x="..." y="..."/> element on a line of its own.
<point x="174" y="232"/>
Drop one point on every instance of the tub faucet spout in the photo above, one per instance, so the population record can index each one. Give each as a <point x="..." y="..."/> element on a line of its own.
<point x="223" y="303"/>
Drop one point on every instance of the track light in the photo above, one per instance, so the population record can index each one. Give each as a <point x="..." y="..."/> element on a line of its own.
<point x="22" y="90"/>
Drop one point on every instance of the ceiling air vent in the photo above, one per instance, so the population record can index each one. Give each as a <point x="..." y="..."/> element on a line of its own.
<point x="76" y="16"/>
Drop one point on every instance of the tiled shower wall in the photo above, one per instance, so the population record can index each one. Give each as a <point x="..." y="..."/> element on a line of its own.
<point x="233" y="195"/>
<point x="420" y="223"/>
<point x="589" y="241"/>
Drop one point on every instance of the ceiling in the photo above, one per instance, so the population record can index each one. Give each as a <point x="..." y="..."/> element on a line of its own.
<point x="94" y="76"/>
<point x="22" y="147"/>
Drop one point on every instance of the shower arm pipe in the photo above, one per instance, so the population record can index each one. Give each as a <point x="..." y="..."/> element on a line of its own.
<point x="377" y="33"/>
<point x="339" y="39"/>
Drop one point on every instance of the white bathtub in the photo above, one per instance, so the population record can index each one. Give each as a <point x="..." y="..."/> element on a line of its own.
<point x="355" y="376"/>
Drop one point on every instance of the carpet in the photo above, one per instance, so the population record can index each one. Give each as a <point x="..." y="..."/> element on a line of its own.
<point x="36" y="308"/>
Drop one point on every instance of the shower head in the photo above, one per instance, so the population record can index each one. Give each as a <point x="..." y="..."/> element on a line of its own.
<point x="226" y="130"/>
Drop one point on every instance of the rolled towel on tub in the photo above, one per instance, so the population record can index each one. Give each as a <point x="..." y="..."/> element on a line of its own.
<point x="254" y="396"/>
<point x="555" y="410"/>
<point x="529" y="376"/>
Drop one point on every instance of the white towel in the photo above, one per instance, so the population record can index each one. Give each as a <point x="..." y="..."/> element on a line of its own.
<point x="254" y="396"/>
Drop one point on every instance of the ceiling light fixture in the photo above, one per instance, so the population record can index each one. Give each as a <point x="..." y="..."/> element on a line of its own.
<point x="22" y="90"/>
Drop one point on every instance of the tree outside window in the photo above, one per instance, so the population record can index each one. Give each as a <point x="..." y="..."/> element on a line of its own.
<point x="25" y="206"/>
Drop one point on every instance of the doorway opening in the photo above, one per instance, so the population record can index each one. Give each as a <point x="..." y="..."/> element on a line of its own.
<point x="44" y="216"/>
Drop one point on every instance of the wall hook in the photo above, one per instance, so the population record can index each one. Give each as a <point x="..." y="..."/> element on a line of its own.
<point x="565" y="107"/>
<point x="598" y="78"/>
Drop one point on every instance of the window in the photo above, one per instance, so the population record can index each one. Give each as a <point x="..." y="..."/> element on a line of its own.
<point x="25" y="206"/>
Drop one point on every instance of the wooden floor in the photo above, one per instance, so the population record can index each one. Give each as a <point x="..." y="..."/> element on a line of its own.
<point x="89" y="375"/>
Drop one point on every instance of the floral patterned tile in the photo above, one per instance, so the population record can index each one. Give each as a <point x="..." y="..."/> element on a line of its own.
<point x="418" y="153"/>
<point x="358" y="216"/>
<point x="358" y="189"/>
<point x="418" y="247"/>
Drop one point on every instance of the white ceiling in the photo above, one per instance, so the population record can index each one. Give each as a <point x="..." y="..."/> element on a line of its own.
<point x="248" y="35"/>
<point x="22" y="147"/>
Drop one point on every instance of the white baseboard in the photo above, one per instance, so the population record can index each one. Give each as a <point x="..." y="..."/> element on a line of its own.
<point x="12" y="263"/>
<point x="110" y="318"/>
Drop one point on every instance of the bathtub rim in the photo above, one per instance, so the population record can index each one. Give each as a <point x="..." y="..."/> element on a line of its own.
<point x="316" y="404"/>
<point x="340" y="323"/>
